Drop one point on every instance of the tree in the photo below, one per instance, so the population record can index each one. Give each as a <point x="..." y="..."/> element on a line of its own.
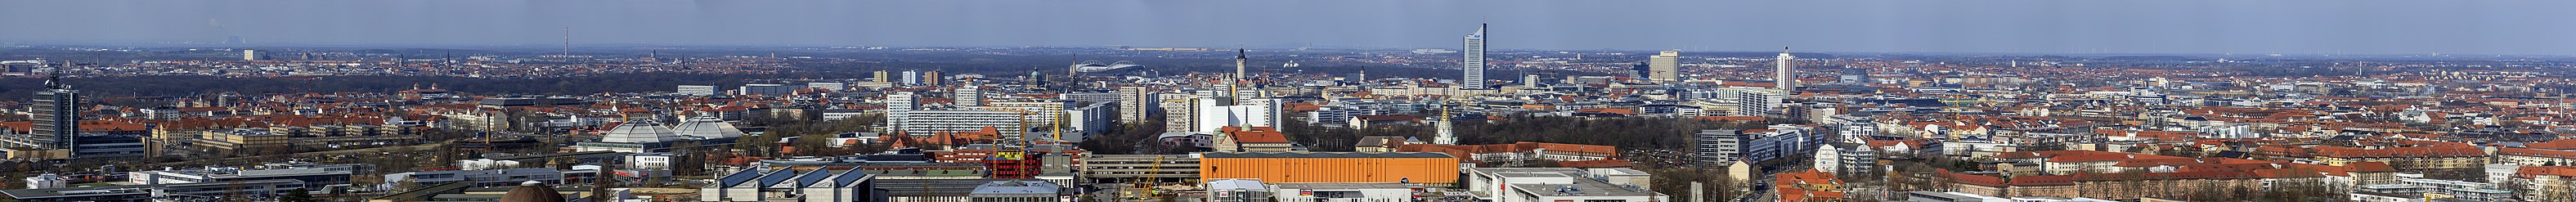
<point x="297" y="195"/>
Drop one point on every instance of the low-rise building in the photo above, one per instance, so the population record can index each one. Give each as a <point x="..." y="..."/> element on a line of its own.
<point x="1018" y="191"/>
<point x="254" y="189"/>
<point x="1555" y="184"/>
<point x="792" y="185"/>
<point x="1344" y="192"/>
<point x="479" y="178"/>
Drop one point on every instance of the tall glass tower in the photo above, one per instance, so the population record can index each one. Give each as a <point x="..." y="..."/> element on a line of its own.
<point x="1475" y="61"/>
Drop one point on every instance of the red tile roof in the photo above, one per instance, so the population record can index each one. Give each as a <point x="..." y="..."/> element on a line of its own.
<point x="2042" y="180"/>
<point x="1788" y="185"/>
<point x="1256" y="134"/>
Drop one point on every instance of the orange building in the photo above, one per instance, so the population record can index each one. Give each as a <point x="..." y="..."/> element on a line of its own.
<point x="1332" y="167"/>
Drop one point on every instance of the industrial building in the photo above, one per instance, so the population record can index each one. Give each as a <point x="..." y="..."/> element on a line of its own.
<point x="1433" y="169"/>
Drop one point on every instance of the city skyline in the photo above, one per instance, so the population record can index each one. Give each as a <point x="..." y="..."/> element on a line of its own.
<point x="2175" y="27"/>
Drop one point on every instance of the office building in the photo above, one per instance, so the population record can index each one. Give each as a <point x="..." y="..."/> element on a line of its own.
<point x="56" y="113"/>
<point x="926" y="123"/>
<point x="1757" y="102"/>
<point x="1664" y="67"/>
<point x="828" y="86"/>
<point x="1339" y="115"/>
<point x="1854" y="76"/>
<point x="1716" y="147"/>
<point x="898" y="106"/>
<point x="695" y="90"/>
<point x="251" y="55"/>
<point x="1474" y="61"/>
<point x="47" y="181"/>
<point x="969" y="95"/>
<point x="769" y="89"/>
<point x="1248" y="113"/>
<point x="1090" y="97"/>
<point x="883" y="76"/>
<point x="1785" y="74"/>
<point x="1238" y="190"/>
<point x="480" y="178"/>
<point x="160" y="192"/>
<point x="1777" y="142"/>
<point x="1017" y="191"/>
<point x="1560" y="184"/>
<point x="1343" y="192"/>
<point x="311" y="175"/>
<point x="1122" y="168"/>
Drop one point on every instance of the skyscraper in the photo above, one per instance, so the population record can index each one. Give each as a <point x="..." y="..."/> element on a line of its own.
<point x="1784" y="73"/>
<point x="250" y="55"/>
<point x="1475" y="60"/>
<point x="1664" y="68"/>
<point x="57" y="115"/>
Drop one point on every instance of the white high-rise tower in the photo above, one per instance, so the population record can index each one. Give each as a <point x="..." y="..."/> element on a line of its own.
<point x="1785" y="74"/>
<point x="1475" y="60"/>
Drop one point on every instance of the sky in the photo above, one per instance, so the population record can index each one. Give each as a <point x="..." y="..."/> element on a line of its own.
<point x="2539" y="27"/>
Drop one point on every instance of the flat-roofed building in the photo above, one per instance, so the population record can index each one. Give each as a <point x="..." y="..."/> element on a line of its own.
<point x="1332" y="167"/>
<point x="1343" y="192"/>
<point x="1121" y="168"/>
<point x="819" y="185"/>
<point x="160" y="192"/>
<point x="1559" y="184"/>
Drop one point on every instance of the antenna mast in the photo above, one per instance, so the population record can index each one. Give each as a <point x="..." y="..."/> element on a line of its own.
<point x="567" y="49"/>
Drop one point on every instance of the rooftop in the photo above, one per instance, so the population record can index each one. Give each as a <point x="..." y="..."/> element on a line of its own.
<point x="1213" y="155"/>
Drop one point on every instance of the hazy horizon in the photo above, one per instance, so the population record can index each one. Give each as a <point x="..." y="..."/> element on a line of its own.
<point x="2016" y="26"/>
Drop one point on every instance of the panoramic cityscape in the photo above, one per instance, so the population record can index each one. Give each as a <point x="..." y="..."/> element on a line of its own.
<point x="1342" y="101"/>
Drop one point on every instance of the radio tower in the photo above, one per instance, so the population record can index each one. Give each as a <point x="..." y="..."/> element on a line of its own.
<point x="567" y="49"/>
